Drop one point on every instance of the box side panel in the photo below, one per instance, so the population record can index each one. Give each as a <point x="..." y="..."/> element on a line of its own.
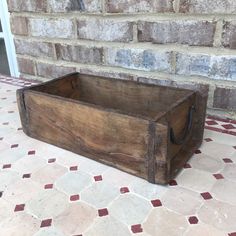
<point x="117" y="140"/>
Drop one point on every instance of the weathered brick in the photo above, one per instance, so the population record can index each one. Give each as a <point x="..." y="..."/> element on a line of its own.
<point x="35" y="49"/>
<point x="75" y="5"/>
<point x="53" y="71"/>
<point x="27" y="5"/>
<point x="133" y="6"/>
<point x="105" y="30"/>
<point x="189" y="32"/>
<point x="140" y="59"/>
<point x="229" y="34"/>
<point x="79" y="53"/>
<point x="225" y="98"/>
<point x="193" y="64"/>
<point x="215" y="67"/>
<point x="51" y="28"/>
<point x="19" y="25"/>
<point x="208" y="6"/>
<point x="26" y="66"/>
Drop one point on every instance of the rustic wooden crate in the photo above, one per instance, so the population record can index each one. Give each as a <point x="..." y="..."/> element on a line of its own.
<point x="146" y="130"/>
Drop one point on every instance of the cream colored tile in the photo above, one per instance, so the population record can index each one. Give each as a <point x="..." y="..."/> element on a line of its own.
<point x="75" y="219"/>
<point x="217" y="150"/>
<point x="93" y="167"/>
<point x="219" y="215"/>
<point x="182" y="201"/>
<point x="229" y="172"/>
<point x="48" y="204"/>
<point x="130" y="209"/>
<point x="50" y="231"/>
<point x="205" y="230"/>
<point x="73" y="182"/>
<point x="196" y="180"/>
<point x="164" y="222"/>
<point x="107" y="226"/>
<point x="49" y="173"/>
<point x="225" y="190"/>
<point x="6" y="210"/>
<point x="206" y="163"/>
<point x="21" y="224"/>
<point x="146" y="189"/>
<point x="100" y="194"/>
<point x="29" y="164"/>
<point x="8" y="177"/>
<point x="21" y="191"/>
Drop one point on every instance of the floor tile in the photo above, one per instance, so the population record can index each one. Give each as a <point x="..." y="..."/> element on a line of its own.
<point x="51" y="231"/>
<point x="75" y="219"/>
<point x="164" y="222"/>
<point x="229" y="172"/>
<point x="130" y="209"/>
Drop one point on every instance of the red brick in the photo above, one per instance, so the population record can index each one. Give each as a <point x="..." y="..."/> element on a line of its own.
<point x="27" y="5"/>
<point x="26" y="66"/>
<point x="208" y="6"/>
<point x="79" y="53"/>
<point x="105" y="30"/>
<point x="19" y="25"/>
<point x="53" y="71"/>
<point x="134" y="6"/>
<point x="35" y="49"/>
<point x="229" y="34"/>
<point x="191" y="32"/>
<point x="225" y="98"/>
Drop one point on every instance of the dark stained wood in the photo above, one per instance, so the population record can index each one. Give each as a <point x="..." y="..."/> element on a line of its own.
<point x="124" y="124"/>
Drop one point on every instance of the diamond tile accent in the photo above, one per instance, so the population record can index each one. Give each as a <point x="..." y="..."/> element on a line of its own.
<point x="1" y="194"/>
<point x="124" y="190"/>
<point x="228" y="126"/>
<point x="46" y="223"/>
<point x="227" y="160"/>
<point x="73" y="168"/>
<point x="232" y="234"/>
<point x="26" y="176"/>
<point x="48" y="186"/>
<point x="14" y="145"/>
<point x="206" y="195"/>
<point x="20" y="207"/>
<point x="98" y="178"/>
<point x="197" y="152"/>
<point x="51" y="160"/>
<point x="208" y="139"/>
<point x="187" y="166"/>
<point x="173" y="182"/>
<point x="156" y="203"/>
<point x="6" y="166"/>
<point x="193" y="220"/>
<point x="136" y="228"/>
<point x="211" y="122"/>
<point x="103" y="212"/>
<point x="32" y="152"/>
<point x="218" y="176"/>
<point x="74" y="198"/>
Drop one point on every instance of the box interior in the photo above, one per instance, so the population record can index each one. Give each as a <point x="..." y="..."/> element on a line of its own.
<point x="131" y="97"/>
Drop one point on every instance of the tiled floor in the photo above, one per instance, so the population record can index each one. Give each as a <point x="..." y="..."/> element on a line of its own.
<point x="47" y="191"/>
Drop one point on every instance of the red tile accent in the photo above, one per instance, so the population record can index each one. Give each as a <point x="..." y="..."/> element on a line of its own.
<point x="46" y="223"/>
<point x="136" y="228"/>
<point x="228" y="126"/>
<point x="124" y="190"/>
<point x="206" y="195"/>
<point x="1" y="194"/>
<point x="233" y="146"/>
<point x="197" y="152"/>
<point x="187" y="166"/>
<point x="227" y="160"/>
<point x="193" y="220"/>
<point x="172" y="182"/>
<point x="211" y="122"/>
<point x="20" y="207"/>
<point x="73" y="168"/>
<point x="98" y="178"/>
<point x="208" y="139"/>
<point x="103" y="212"/>
<point x="6" y="166"/>
<point x="218" y="176"/>
<point x="5" y="123"/>
<point x="232" y="234"/>
<point x="156" y="203"/>
<point x="51" y="160"/>
<point x="32" y="152"/>
<point x="26" y="176"/>
<point x="14" y="145"/>
<point x="74" y="198"/>
<point x="48" y="186"/>
<point x="1" y="138"/>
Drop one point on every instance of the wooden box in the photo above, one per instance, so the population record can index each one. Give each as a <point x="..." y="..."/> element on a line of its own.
<point x="146" y="130"/>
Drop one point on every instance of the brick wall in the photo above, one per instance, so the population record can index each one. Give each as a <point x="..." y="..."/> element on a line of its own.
<point x="168" y="41"/>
